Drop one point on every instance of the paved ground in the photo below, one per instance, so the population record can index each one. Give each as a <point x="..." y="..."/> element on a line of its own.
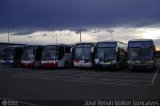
<point x="77" y="84"/>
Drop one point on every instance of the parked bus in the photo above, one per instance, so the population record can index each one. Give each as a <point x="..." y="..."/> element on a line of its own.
<point x="141" y="54"/>
<point x="1" y="57"/>
<point x="84" y="55"/>
<point x="12" y="55"/>
<point x="31" y="56"/>
<point x="56" y="56"/>
<point x="110" y="54"/>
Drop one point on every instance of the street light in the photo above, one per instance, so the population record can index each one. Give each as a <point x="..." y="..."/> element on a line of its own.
<point x="8" y="34"/>
<point x="111" y="31"/>
<point x="56" y="37"/>
<point x="79" y="19"/>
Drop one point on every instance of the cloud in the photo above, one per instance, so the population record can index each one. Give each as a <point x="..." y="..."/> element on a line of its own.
<point x="63" y="14"/>
<point x="28" y="32"/>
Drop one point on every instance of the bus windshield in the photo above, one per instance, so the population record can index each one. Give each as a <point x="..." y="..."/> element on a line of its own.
<point x="140" y="54"/>
<point x="83" y="53"/>
<point x="86" y="53"/>
<point x="28" y="54"/>
<point x="8" y="54"/>
<point x="106" y="54"/>
<point x="48" y="54"/>
<point x="78" y="52"/>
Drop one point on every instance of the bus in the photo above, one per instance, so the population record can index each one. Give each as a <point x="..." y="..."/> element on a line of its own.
<point x="31" y="56"/>
<point x="84" y="55"/>
<point x="56" y="56"/>
<point x="141" y="54"/>
<point x="110" y="55"/>
<point x="1" y="57"/>
<point x="12" y="55"/>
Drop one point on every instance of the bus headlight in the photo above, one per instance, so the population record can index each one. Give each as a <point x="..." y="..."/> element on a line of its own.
<point x="137" y="62"/>
<point x="150" y="62"/>
<point x="129" y="62"/>
<point x="114" y="62"/>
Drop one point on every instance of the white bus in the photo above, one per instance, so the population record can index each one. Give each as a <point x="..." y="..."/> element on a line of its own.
<point x="110" y="54"/>
<point x="56" y="56"/>
<point x="84" y="55"/>
<point x="141" y="54"/>
<point x="31" y="56"/>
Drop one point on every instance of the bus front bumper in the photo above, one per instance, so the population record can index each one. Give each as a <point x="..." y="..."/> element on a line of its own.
<point x="141" y="66"/>
<point x="29" y="64"/>
<point x="108" y="65"/>
<point x="82" y="63"/>
<point x="7" y="62"/>
<point x="49" y="64"/>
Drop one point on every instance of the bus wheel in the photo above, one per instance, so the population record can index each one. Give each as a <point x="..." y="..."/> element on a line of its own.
<point x="66" y="65"/>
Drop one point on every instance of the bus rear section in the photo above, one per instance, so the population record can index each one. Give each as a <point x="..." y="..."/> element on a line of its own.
<point x="141" y="54"/>
<point x="12" y="55"/>
<point x="110" y="55"/>
<point x="31" y="56"/>
<point x="84" y="55"/>
<point x="56" y="56"/>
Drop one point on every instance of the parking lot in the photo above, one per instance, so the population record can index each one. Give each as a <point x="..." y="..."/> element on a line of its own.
<point x="78" y="84"/>
<point x="124" y="77"/>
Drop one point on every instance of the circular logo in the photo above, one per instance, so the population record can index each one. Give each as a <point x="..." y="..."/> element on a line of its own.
<point x="4" y="102"/>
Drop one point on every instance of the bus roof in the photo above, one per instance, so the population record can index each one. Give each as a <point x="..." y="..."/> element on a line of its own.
<point x="85" y="43"/>
<point x="110" y="44"/>
<point x="141" y="43"/>
<point x="110" y="41"/>
<point x="56" y="44"/>
<point x="141" y="40"/>
<point x="32" y="45"/>
<point x="14" y="46"/>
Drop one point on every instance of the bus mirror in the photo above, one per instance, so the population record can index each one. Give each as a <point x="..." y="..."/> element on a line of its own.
<point x="71" y="50"/>
<point x="116" y="49"/>
<point x="92" y="49"/>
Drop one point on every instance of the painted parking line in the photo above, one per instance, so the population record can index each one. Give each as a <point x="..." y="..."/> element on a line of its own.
<point x="131" y="83"/>
<point x="90" y="80"/>
<point x="154" y="77"/>
<point x="110" y="78"/>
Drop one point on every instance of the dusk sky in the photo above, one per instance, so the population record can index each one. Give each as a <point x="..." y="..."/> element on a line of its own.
<point x="40" y="21"/>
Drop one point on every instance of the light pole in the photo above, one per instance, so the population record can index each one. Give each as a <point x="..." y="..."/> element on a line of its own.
<point x="56" y="37"/>
<point x="111" y="31"/>
<point x="8" y="34"/>
<point x="79" y="19"/>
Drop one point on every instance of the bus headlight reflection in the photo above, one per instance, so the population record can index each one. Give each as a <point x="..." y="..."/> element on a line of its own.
<point x="150" y="62"/>
<point x="114" y="62"/>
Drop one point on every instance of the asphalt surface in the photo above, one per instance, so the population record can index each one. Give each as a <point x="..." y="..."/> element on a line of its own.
<point x="28" y="85"/>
